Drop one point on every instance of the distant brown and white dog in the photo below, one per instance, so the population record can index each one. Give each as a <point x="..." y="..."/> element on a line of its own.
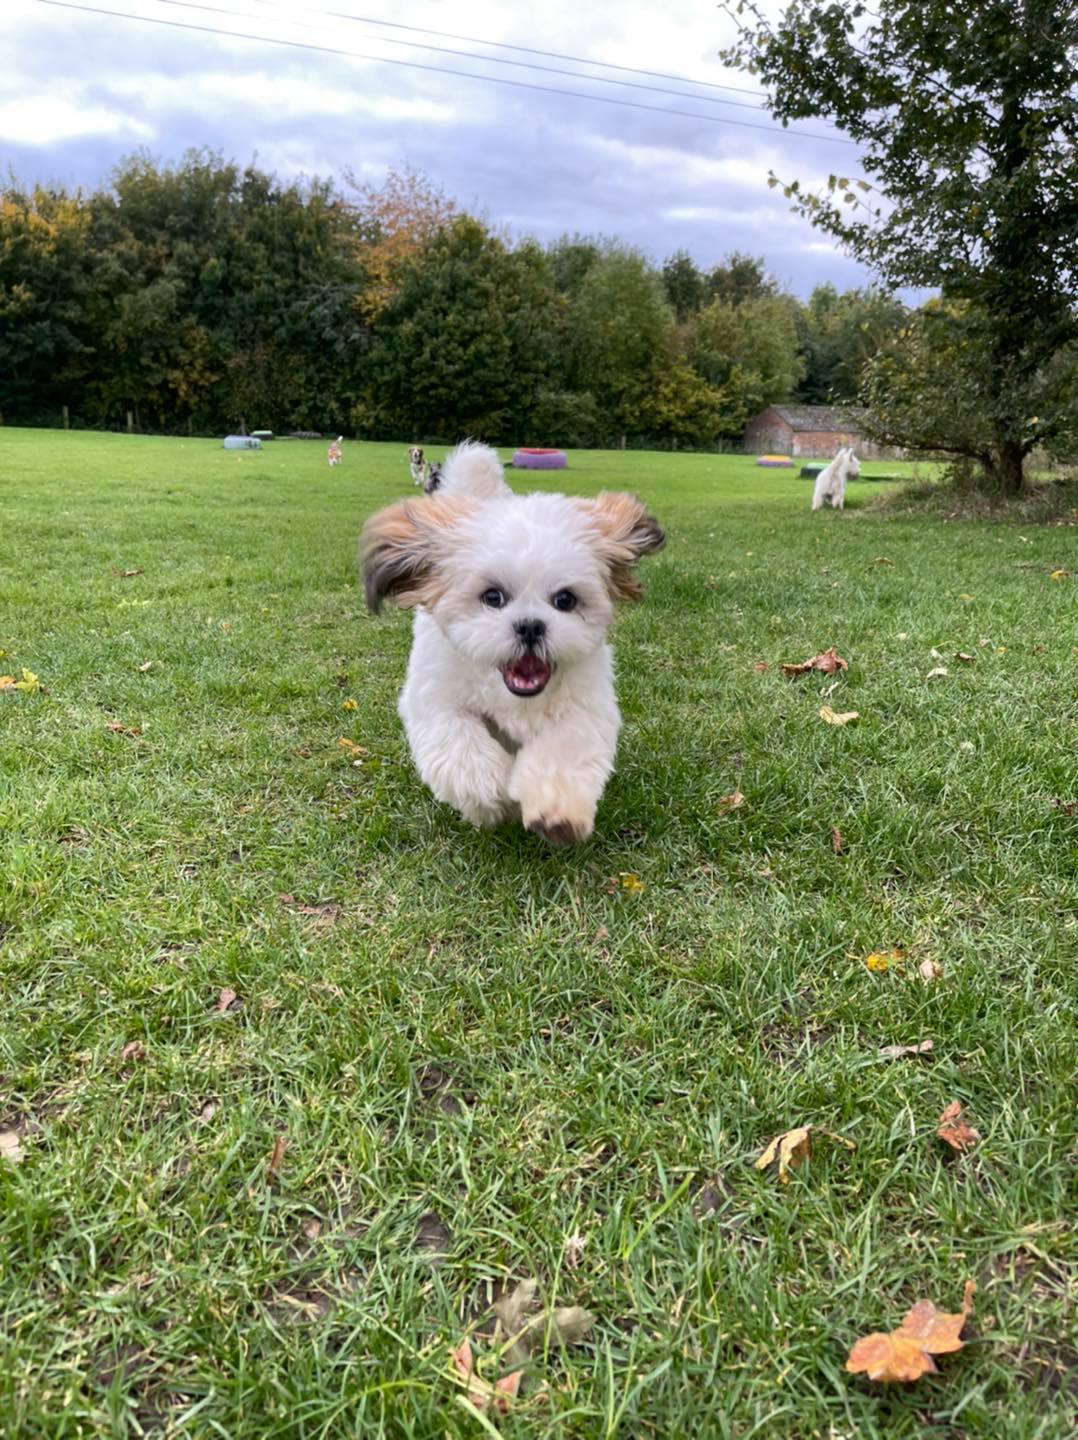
<point x="333" y="454"/>
<point x="416" y="464"/>
<point x="509" y="701"/>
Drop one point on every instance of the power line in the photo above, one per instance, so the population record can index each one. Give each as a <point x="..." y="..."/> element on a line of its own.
<point x="471" y="54"/>
<point x="530" y="50"/>
<point x="439" y="70"/>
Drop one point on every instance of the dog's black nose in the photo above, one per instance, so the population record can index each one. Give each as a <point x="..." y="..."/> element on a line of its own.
<point x="530" y="631"/>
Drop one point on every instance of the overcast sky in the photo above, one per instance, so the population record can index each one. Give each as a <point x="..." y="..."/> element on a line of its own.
<point x="80" y="90"/>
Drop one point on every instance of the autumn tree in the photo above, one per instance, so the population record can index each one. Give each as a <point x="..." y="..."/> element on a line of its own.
<point x="45" y="263"/>
<point x="966" y="118"/>
<point x="395" y="221"/>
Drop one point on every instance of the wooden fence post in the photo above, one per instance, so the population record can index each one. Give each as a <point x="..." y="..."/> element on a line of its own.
<point x="67" y="419"/>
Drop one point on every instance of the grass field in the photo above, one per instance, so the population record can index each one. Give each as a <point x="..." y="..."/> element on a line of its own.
<point x="478" y="1049"/>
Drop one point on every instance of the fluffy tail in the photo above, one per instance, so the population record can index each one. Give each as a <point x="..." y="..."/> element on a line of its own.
<point x="473" y="469"/>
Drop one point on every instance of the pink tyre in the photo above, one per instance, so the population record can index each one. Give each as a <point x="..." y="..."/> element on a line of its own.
<point x="530" y="459"/>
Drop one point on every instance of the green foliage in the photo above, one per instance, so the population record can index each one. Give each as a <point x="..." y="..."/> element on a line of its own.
<point x="925" y="390"/>
<point x="749" y="352"/>
<point x="840" y="334"/>
<point x="460" y="348"/>
<point x="966" y="119"/>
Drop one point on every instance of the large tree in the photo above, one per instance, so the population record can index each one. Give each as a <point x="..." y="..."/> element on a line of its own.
<point x="966" y="120"/>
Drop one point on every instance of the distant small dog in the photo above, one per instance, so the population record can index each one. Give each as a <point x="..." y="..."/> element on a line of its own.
<point x="509" y="701"/>
<point x="432" y="477"/>
<point x="416" y="464"/>
<point x="333" y="454"/>
<point x="831" y="481"/>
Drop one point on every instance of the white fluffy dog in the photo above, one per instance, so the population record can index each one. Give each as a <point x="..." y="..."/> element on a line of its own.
<point x="509" y="702"/>
<point x="831" y="481"/>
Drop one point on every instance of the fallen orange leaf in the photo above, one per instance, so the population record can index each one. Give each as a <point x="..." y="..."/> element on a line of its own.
<point x="273" y="1164"/>
<point x="954" y="1131"/>
<point x="118" y="728"/>
<point x="838" y="844"/>
<point x="906" y="1353"/>
<point x="833" y="717"/>
<point x="730" y="802"/>
<point x="481" y="1393"/>
<point x="828" y="661"/>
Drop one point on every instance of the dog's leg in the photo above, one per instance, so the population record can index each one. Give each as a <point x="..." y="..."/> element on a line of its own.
<point x="559" y="776"/>
<point x="463" y="765"/>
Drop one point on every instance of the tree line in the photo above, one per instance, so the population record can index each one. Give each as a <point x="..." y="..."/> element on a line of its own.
<point x="203" y="296"/>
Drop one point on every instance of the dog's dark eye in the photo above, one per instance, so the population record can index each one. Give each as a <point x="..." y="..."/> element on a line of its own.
<point x="564" y="600"/>
<point x="494" y="598"/>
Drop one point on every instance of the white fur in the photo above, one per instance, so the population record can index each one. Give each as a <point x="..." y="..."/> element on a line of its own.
<point x="494" y="755"/>
<point x="831" y="481"/>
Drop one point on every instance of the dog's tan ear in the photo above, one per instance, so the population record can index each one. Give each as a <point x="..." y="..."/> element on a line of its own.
<point x="401" y="547"/>
<point x="627" y="531"/>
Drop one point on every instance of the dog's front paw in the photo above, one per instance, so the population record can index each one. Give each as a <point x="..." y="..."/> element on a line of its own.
<point x="558" y="832"/>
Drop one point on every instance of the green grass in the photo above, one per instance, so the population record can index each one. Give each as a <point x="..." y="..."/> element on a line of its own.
<point x="482" y="1051"/>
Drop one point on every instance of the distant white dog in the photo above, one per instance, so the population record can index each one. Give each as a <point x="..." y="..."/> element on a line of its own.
<point x="831" y="481"/>
<point x="416" y="464"/>
<point x="509" y="701"/>
<point x="333" y="454"/>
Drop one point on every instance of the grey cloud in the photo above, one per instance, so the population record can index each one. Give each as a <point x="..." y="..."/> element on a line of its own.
<point x="543" y="164"/>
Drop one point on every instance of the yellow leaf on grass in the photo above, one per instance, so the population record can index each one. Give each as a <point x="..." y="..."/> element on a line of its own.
<point x="632" y="883"/>
<point x="793" y="1147"/>
<point x="833" y="717"/>
<point x="29" y="684"/>
<point x="1058" y="575"/>
<point x="349" y="704"/>
<point x="880" y="961"/>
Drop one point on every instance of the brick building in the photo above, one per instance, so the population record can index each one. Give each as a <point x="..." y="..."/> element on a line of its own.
<point x="815" y="431"/>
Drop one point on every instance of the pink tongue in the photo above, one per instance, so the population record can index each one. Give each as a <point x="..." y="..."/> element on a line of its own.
<point x="529" y="667"/>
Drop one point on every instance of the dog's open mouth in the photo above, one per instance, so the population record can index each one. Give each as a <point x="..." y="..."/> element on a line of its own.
<point x="526" y="676"/>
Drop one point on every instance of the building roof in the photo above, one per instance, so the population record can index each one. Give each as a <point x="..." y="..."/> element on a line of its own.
<point x="819" y="417"/>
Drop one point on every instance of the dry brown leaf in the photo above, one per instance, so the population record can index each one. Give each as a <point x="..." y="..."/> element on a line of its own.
<point x="965" y="659"/>
<point x="906" y="1353"/>
<point x="227" y="1000"/>
<point x="793" y="1147"/>
<point x="883" y="560"/>
<point x="893" y="1052"/>
<point x="118" y="728"/>
<point x="937" y="673"/>
<point x="127" y="574"/>
<point x="954" y="1131"/>
<point x="761" y="667"/>
<point x="521" y="1321"/>
<point x="133" y="1050"/>
<point x="828" y="661"/>
<point x="273" y="1164"/>
<point x="600" y="935"/>
<point x="929" y="971"/>
<point x="10" y="1149"/>
<point x="838" y="844"/>
<point x="146" y="665"/>
<point x="208" y="1111"/>
<point x="1069" y="807"/>
<point x="733" y="801"/>
<point x="833" y="717"/>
